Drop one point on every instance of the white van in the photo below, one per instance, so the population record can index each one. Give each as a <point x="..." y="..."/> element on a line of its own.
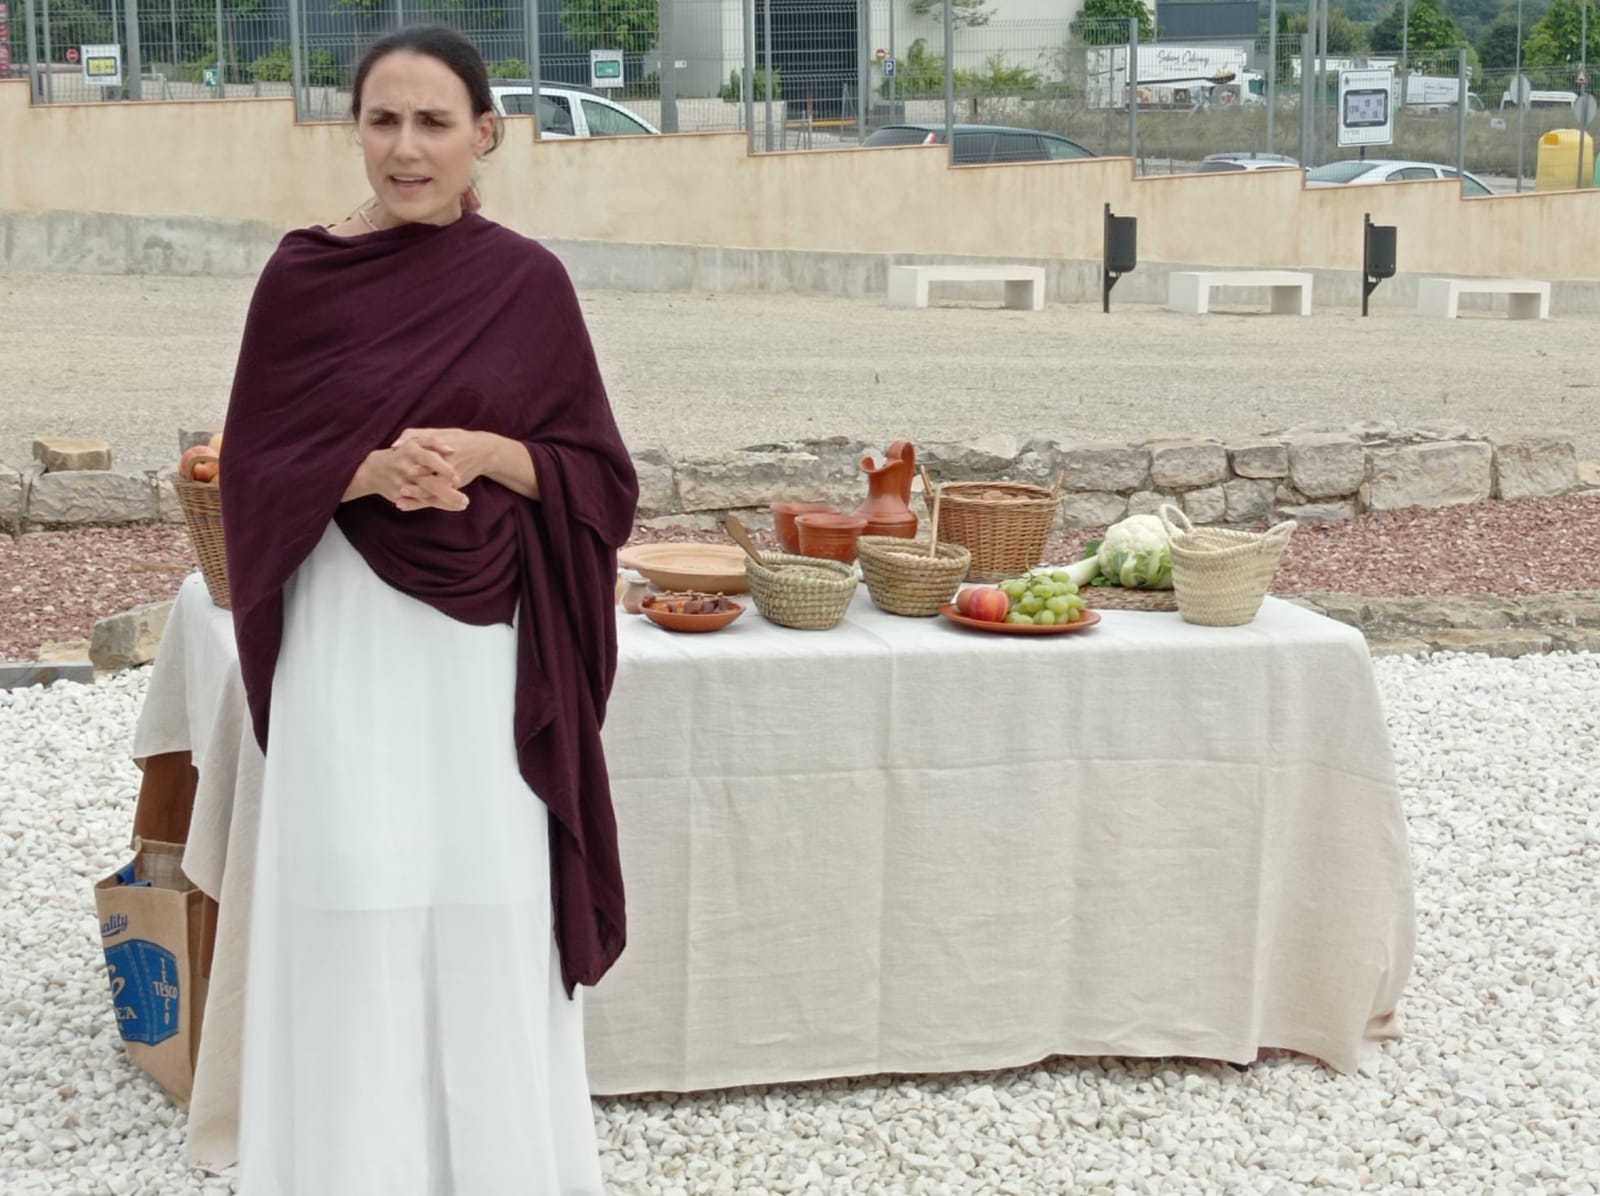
<point x="566" y="111"/>
<point x="1541" y="99"/>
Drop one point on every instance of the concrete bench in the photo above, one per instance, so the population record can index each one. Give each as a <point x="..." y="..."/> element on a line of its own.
<point x="908" y="285"/>
<point x="1189" y="291"/>
<point x="1526" y="298"/>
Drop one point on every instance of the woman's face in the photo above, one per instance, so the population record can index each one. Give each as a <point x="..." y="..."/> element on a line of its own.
<point x="419" y="137"/>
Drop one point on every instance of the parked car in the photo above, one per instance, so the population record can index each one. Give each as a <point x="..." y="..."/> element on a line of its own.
<point x="1217" y="163"/>
<point x="567" y="111"/>
<point x="1377" y="170"/>
<point x="977" y="145"/>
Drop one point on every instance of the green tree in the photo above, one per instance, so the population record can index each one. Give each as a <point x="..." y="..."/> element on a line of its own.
<point x="1554" y="41"/>
<point x="1497" y="49"/>
<point x="1345" y="37"/>
<point x="1101" y="11"/>
<point x="1430" y="29"/>
<point x="632" y="25"/>
<point x="1475" y="16"/>
<point x="965" y="14"/>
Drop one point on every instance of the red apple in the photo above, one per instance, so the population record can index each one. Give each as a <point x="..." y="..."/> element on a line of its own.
<point x="988" y="604"/>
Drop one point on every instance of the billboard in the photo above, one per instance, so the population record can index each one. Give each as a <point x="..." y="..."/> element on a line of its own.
<point x="1199" y="20"/>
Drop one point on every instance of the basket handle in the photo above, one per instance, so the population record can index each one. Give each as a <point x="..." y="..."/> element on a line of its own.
<point x="1278" y="532"/>
<point x="933" y="534"/>
<point x="1174" y="527"/>
<point x="1056" y="484"/>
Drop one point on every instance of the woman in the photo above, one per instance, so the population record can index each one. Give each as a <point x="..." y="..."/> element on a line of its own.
<point x="425" y="493"/>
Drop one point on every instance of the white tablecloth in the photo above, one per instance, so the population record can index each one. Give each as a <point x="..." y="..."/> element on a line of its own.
<point x="902" y="846"/>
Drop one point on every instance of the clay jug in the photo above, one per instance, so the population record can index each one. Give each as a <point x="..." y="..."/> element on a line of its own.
<point x="888" y="507"/>
<point x="783" y="516"/>
<point x="830" y="535"/>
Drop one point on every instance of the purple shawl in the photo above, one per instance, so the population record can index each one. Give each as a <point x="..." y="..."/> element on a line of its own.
<point x="350" y="341"/>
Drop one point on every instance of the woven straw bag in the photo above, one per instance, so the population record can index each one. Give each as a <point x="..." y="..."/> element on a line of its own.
<point x="202" y="514"/>
<point x="1221" y="576"/>
<point x="803" y="592"/>
<point x="1003" y="524"/>
<point x="904" y="580"/>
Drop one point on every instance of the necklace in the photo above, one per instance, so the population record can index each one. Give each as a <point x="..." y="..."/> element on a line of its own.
<point x="365" y="219"/>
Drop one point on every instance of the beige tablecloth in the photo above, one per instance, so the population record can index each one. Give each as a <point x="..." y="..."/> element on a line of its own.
<point x="901" y="846"/>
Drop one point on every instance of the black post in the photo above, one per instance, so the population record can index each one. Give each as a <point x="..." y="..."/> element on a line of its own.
<point x="1377" y="257"/>
<point x="1119" y="252"/>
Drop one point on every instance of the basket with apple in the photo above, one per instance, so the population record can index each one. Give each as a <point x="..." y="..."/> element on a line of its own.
<point x="198" y="486"/>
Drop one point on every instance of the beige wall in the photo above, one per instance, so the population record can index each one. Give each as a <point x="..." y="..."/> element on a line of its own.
<point x="247" y="160"/>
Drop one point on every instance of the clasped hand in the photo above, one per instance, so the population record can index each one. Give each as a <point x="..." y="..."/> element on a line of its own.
<point x="431" y="467"/>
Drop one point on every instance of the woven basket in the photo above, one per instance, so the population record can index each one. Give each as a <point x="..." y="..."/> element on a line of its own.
<point x="202" y="513"/>
<point x="1005" y="534"/>
<point x="803" y="592"/>
<point x="904" y="580"/>
<point x="1221" y="576"/>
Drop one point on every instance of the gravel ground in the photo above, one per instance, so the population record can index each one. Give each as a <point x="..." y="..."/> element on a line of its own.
<point x="131" y="358"/>
<point x="1494" y="1088"/>
<point x="54" y="585"/>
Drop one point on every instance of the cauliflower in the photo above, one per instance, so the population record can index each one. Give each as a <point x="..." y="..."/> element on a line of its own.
<point x="1137" y="553"/>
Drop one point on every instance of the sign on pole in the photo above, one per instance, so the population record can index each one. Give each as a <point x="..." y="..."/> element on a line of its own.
<point x="605" y="68"/>
<point x="1366" y="107"/>
<point x="889" y="68"/>
<point x="1583" y="108"/>
<point x="102" y="66"/>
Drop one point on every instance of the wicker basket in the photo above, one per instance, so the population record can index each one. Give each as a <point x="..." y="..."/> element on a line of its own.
<point x="1221" y="576"/>
<point x="803" y="592"/>
<point x="904" y="580"/>
<point x="1003" y="524"/>
<point x="202" y="512"/>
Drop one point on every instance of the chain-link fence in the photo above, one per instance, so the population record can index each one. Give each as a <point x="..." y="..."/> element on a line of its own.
<point x="814" y="73"/>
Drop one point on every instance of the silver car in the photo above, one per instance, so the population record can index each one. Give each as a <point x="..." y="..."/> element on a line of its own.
<point x="1378" y="170"/>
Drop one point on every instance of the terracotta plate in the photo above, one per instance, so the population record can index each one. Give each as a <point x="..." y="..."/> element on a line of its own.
<point x="709" y="568"/>
<point x="949" y="611"/>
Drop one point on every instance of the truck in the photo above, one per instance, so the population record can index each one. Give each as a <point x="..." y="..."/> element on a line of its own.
<point x="1433" y="94"/>
<point x="1172" y="76"/>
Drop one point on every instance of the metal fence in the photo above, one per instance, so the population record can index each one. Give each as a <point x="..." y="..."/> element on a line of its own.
<point x="797" y="74"/>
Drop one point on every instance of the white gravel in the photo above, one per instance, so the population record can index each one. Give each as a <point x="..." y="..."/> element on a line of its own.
<point x="1495" y="1088"/>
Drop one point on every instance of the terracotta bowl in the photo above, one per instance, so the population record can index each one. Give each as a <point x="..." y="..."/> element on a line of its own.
<point x="783" y="516"/>
<point x="676" y="622"/>
<point x="831" y="537"/>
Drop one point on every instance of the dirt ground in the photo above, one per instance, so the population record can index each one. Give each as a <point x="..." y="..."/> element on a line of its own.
<point x="131" y="359"/>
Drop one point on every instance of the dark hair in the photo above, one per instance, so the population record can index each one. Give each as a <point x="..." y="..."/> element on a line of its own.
<point x="436" y="41"/>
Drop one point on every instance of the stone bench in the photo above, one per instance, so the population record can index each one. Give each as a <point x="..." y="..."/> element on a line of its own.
<point x="1189" y="291"/>
<point x="1526" y="298"/>
<point x="908" y="285"/>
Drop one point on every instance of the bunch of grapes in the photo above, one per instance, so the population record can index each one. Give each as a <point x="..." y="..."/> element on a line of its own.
<point x="1043" y="599"/>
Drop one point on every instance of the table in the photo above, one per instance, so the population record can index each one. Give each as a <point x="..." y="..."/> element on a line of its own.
<point x="904" y="847"/>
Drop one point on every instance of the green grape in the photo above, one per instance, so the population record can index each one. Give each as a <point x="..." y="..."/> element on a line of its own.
<point x="1031" y="604"/>
<point x="1060" y="605"/>
<point x="1045" y="618"/>
<point x="1019" y="618"/>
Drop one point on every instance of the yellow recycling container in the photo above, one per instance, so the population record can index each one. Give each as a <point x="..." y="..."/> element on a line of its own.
<point x="1558" y="167"/>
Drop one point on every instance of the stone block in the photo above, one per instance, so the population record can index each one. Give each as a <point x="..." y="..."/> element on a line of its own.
<point x="90" y="497"/>
<point x="1091" y="508"/>
<point x="129" y="639"/>
<point x="1535" y="467"/>
<point x="987" y="458"/>
<point x="1259" y="459"/>
<point x="1187" y="464"/>
<point x="1318" y="512"/>
<point x="1102" y="465"/>
<point x="1508" y="642"/>
<point x="1429" y="475"/>
<point x="1326" y="465"/>
<point x="1148" y="502"/>
<point x="60" y="454"/>
<point x="168" y="508"/>
<point x="1206" y="506"/>
<point x="1249" y="500"/>
<point x="658" y="489"/>
<point x="20" y="676"/>
<point x="13" y="498"/>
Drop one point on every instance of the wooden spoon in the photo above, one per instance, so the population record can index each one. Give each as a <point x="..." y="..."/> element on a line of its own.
<point x="734" y="528"/>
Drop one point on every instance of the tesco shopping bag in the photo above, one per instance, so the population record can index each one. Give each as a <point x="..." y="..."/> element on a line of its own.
<point x="152" y="926"/>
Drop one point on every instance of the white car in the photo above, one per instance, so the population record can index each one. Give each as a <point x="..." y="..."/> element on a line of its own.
<point x="1221" y="163"/>
<point x="1378" y="170"/>
<point x="566" y="111"/>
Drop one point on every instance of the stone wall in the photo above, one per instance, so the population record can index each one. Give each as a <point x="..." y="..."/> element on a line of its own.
<point x="1307" y="474"/>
